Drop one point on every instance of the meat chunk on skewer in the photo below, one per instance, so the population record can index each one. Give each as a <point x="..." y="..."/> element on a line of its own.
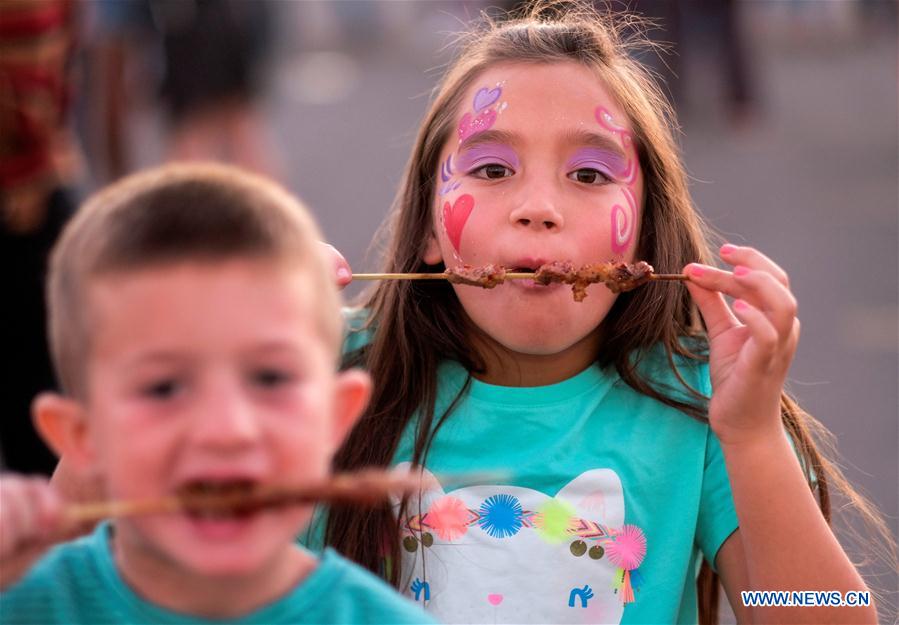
<point x="487" y="276"/>
<point x="556" y="271"/>
<point x="618" y="277"/>
<point x="621" y="277"/>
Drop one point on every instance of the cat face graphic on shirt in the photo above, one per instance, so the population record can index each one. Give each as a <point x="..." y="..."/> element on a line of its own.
<point x="506" y="554"/>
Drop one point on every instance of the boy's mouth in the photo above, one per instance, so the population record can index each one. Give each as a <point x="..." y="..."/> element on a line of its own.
<point x="218" y="499"/>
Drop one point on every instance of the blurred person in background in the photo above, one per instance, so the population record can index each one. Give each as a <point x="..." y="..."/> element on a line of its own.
<point x="207" y="57"/>
<point x="680" y="27"/>
<point x="39" y="165"/>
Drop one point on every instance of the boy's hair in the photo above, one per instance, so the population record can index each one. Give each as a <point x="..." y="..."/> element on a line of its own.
<point x="418" y="324"/>
<point x="173" y="214"/>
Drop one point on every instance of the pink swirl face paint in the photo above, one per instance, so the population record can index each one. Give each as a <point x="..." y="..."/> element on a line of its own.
<point x="624" y="219"/>
<point x="624" y="223"/>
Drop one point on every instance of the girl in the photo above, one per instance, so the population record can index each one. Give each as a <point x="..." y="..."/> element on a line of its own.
<point x="637" y="438"/>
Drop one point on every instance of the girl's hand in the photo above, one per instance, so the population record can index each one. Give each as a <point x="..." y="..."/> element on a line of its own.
<point x="342" y="271"/>
<point x="751" y="344"/>
<point x="31" y="520"/>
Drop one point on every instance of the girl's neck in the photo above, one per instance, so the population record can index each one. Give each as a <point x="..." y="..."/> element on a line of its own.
<point x="166" y="584"/>
<point x="505" y="367"/>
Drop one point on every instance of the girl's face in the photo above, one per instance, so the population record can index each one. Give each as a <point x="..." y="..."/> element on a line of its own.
<point x="541" y="168"/>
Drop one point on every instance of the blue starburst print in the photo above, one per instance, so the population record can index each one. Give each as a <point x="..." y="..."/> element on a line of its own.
<point x="501" y="516"/>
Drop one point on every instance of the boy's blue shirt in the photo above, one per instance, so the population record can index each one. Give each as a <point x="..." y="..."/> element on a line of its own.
<point x="78" y="583"/>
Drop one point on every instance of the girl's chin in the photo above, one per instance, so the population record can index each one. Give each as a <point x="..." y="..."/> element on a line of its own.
<point x="535" y="342"/>
<point x="537" y="350"/>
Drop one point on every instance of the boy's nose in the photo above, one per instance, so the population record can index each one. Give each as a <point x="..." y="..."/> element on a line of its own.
<point x="227" y="421"/>
<point x="538" y="213"/>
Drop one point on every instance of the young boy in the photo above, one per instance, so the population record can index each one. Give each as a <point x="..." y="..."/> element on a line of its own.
<point x="195" y="328"/>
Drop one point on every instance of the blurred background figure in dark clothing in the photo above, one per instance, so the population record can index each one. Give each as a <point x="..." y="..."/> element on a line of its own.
<point x="39" y="165"/>
<point x="712" y="30"/>
<point x="204" y="59"/>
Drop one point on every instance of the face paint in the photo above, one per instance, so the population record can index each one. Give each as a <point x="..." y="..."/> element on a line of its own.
<point x="469" y="125"/>
<point x="624" y="222"/>
<point x="624" y="219"/>
<point x="455" y="216"/>
<point x="610" y="163"/>
<point x="485" y="109"/>
<point x="447" y="175"/>
<point x="446" y="170"/>
<point x="482" y="154"/>
<point x="484" y="112"/>
<point x="484" y="98"/>
<point x="606" y="120"/>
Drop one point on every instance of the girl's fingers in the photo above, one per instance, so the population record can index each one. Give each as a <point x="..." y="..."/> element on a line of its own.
<point x="714" y="279"/>
<point x="762" y="348"/>
<point x="754" y="259"/>
<point x="769" y="295"/>
<point x="342" y="271"/>
<point x="715" y="311"/>
<point x="757" y="287"/>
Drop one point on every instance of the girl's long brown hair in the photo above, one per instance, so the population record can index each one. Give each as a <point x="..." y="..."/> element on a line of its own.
<point x="417" y="324"/>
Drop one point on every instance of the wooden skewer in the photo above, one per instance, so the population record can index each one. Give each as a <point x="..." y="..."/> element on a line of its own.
<point x="366" y="487"/>
<point x="370" y="486"/>
<point x="508" y="276"/>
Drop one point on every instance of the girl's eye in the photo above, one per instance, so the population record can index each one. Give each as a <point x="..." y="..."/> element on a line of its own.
<point x="588" y="175"/>
<point x="270" y="378"/>
<point x="492" y="171"/>
<point x="163" y="389"/>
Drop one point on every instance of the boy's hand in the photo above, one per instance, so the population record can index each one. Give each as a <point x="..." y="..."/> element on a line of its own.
<point x="341" y="268"/>
<point x="31" y="521"/>
<point x="752" y="343"/>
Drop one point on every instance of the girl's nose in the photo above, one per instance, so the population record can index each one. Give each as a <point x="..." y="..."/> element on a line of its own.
<point x="538" y="214"/>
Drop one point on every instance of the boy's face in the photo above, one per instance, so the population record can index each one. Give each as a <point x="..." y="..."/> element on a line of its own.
<point x="541" y="167"/>
<point x="210" y="375"/>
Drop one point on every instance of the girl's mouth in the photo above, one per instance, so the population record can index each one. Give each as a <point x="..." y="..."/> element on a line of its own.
<point x="530" y="286"/>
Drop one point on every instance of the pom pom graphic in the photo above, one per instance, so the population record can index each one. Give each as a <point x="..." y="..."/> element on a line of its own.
<point x="554" y="520"/>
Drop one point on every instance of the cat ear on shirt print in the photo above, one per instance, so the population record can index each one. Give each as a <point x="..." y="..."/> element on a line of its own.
<point x="492" y="553"/>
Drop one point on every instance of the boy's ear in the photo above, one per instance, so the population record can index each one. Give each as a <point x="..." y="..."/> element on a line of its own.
<point x="62" y="423"/>
<point x="353" y="391"/>
<point x="432" y="254"/>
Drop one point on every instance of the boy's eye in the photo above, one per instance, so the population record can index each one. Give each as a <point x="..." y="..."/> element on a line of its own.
<point x="269" y="378"/>
<point x="492" y="171"/>
<point x="588" y="175"/>
<point x="164" y="389"/>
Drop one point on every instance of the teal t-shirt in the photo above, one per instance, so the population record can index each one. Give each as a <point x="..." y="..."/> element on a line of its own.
<point x="600" y="506"/>
<point x="78" y="583"/>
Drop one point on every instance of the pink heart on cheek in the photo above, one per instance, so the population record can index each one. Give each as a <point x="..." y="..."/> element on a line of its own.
<point x="455" y="216"/>
<point x="495" y="599"/>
